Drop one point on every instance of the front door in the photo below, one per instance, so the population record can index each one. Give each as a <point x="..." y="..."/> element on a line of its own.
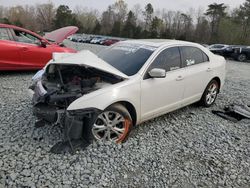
<point x="33" y="54"/>
<point x="9" y="53"/>
<point x="161" y="95"/>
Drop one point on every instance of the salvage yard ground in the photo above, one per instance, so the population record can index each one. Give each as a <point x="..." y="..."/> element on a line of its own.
<point x="186" y="148"/>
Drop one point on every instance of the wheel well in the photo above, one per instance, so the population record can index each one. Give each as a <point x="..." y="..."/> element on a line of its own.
<point x="217" y="79"/>
<point x="242" y="53"/>
<point x="131" y="110"/>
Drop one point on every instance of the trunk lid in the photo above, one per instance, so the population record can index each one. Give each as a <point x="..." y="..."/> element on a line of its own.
<point x="60" y="34"/>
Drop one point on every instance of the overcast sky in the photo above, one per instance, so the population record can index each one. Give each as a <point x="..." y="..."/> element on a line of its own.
<point x="101" y="5"/>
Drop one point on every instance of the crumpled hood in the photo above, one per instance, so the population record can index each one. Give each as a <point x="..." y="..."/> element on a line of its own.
<point x="60" y="34"/>
<point x="86" y="58"/>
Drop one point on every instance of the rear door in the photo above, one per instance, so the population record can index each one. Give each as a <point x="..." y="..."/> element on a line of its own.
<point x="197" y="73"/>
<point x="9" y="54"/>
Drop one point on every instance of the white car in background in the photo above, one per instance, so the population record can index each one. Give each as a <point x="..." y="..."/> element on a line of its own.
<point x="102" y="96"/>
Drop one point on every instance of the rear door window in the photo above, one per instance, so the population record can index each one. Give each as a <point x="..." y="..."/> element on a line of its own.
<point x="192" y="56"/>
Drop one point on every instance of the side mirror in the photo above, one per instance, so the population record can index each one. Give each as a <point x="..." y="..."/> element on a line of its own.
<point x="43" y="44"/>
<point x="157" y="73"/>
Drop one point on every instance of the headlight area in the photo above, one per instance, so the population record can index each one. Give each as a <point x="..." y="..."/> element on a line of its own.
<point x="77" y="125"/>
<point x="85" y="112"/>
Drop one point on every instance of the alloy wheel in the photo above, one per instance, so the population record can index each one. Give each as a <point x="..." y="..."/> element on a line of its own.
<point x="110" y="126"/>
<point x="212" y="93"/>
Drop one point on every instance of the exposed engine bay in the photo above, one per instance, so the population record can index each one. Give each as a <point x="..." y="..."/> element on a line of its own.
<point x="59" y="86"/>
<point x="65" y="83"/>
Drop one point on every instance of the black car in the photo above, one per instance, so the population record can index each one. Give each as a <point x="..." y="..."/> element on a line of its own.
<point x="241" y="53"/>
<point x="218" y="48"/>
<point x="237" y="52"/>
<point x="228" y="51"/>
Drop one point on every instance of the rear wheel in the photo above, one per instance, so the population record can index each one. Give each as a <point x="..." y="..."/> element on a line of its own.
<point x="113" y="124"/>
<point x="210" y="94"/>
<point x="242" y="57"/>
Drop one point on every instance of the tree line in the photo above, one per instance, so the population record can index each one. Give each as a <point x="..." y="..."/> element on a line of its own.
<point x="216" y="24"/>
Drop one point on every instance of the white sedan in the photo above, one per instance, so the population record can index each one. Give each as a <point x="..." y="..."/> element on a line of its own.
<point x="102" y="96"/>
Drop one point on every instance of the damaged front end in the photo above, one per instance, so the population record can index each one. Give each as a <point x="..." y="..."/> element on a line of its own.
<point x="56" y="88"/>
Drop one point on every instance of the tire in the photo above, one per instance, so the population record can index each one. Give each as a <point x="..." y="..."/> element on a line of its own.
<point x="113" y="124"/>
<point x="242" y="57"/>
<point x="210" y="94"/>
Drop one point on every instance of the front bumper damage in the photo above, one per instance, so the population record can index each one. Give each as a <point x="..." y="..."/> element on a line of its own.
<point x="57" y="86"/>
<point x="76" y="124"/>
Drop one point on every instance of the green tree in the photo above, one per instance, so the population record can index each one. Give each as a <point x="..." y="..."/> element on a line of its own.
<point x="129" y="28"/>
<point x="138" y="32"/>
<point x="120" y="9"/>
<point x="107" y="21"/>
<point x="187" y="26"/>
<point x="120" y="12"/>
<point x="18" y="23"/>
<point x="230" y="32"/>
<point x="155" y="27"/>
<point x="201" y="33"/>
<point x="97" y="28"/>
<point x="116" y="30"/>
<point x="243" y="18"/>
<point x="5" y="20"/>
<point x="216" y="12"/>
<point x="148" y="15"/>
<point x="65" y="17"/>
<point x="87" y="18"/>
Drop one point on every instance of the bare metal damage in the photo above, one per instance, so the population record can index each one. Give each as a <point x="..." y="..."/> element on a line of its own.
<point x="59" y="86"/>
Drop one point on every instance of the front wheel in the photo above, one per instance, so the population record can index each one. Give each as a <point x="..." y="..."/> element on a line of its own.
<point x="113" y="124"/>
<point x="210" y="94"/>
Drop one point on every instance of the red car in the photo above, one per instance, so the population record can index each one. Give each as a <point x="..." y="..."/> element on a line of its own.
<point x="21" y="49"/>
<point x="109" y="42"/>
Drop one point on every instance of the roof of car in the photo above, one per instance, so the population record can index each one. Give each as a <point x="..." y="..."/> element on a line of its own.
<point x="21" y="29"/>
<point x="157" y="42"/>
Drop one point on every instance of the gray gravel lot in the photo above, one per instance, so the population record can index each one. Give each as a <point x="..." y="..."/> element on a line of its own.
<point x="190" y="147"/>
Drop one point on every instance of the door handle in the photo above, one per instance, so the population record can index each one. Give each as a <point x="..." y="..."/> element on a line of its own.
<point x="25" y="48"/>
<point x="209" y="69"/>
<point x="179" y="78"/>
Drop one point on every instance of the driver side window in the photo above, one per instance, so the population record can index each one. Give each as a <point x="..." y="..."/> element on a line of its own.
<point x="24" y="37"/>
<point x="169" y="59"/>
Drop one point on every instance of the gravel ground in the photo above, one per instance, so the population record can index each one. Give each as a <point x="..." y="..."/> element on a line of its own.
<point x="190" y="147"/>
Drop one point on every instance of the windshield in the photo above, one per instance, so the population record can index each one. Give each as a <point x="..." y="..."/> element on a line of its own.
<point x="127" y="58"/>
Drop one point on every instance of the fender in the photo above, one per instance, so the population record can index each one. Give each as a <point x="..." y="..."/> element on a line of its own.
<point x="109" y="95"/>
